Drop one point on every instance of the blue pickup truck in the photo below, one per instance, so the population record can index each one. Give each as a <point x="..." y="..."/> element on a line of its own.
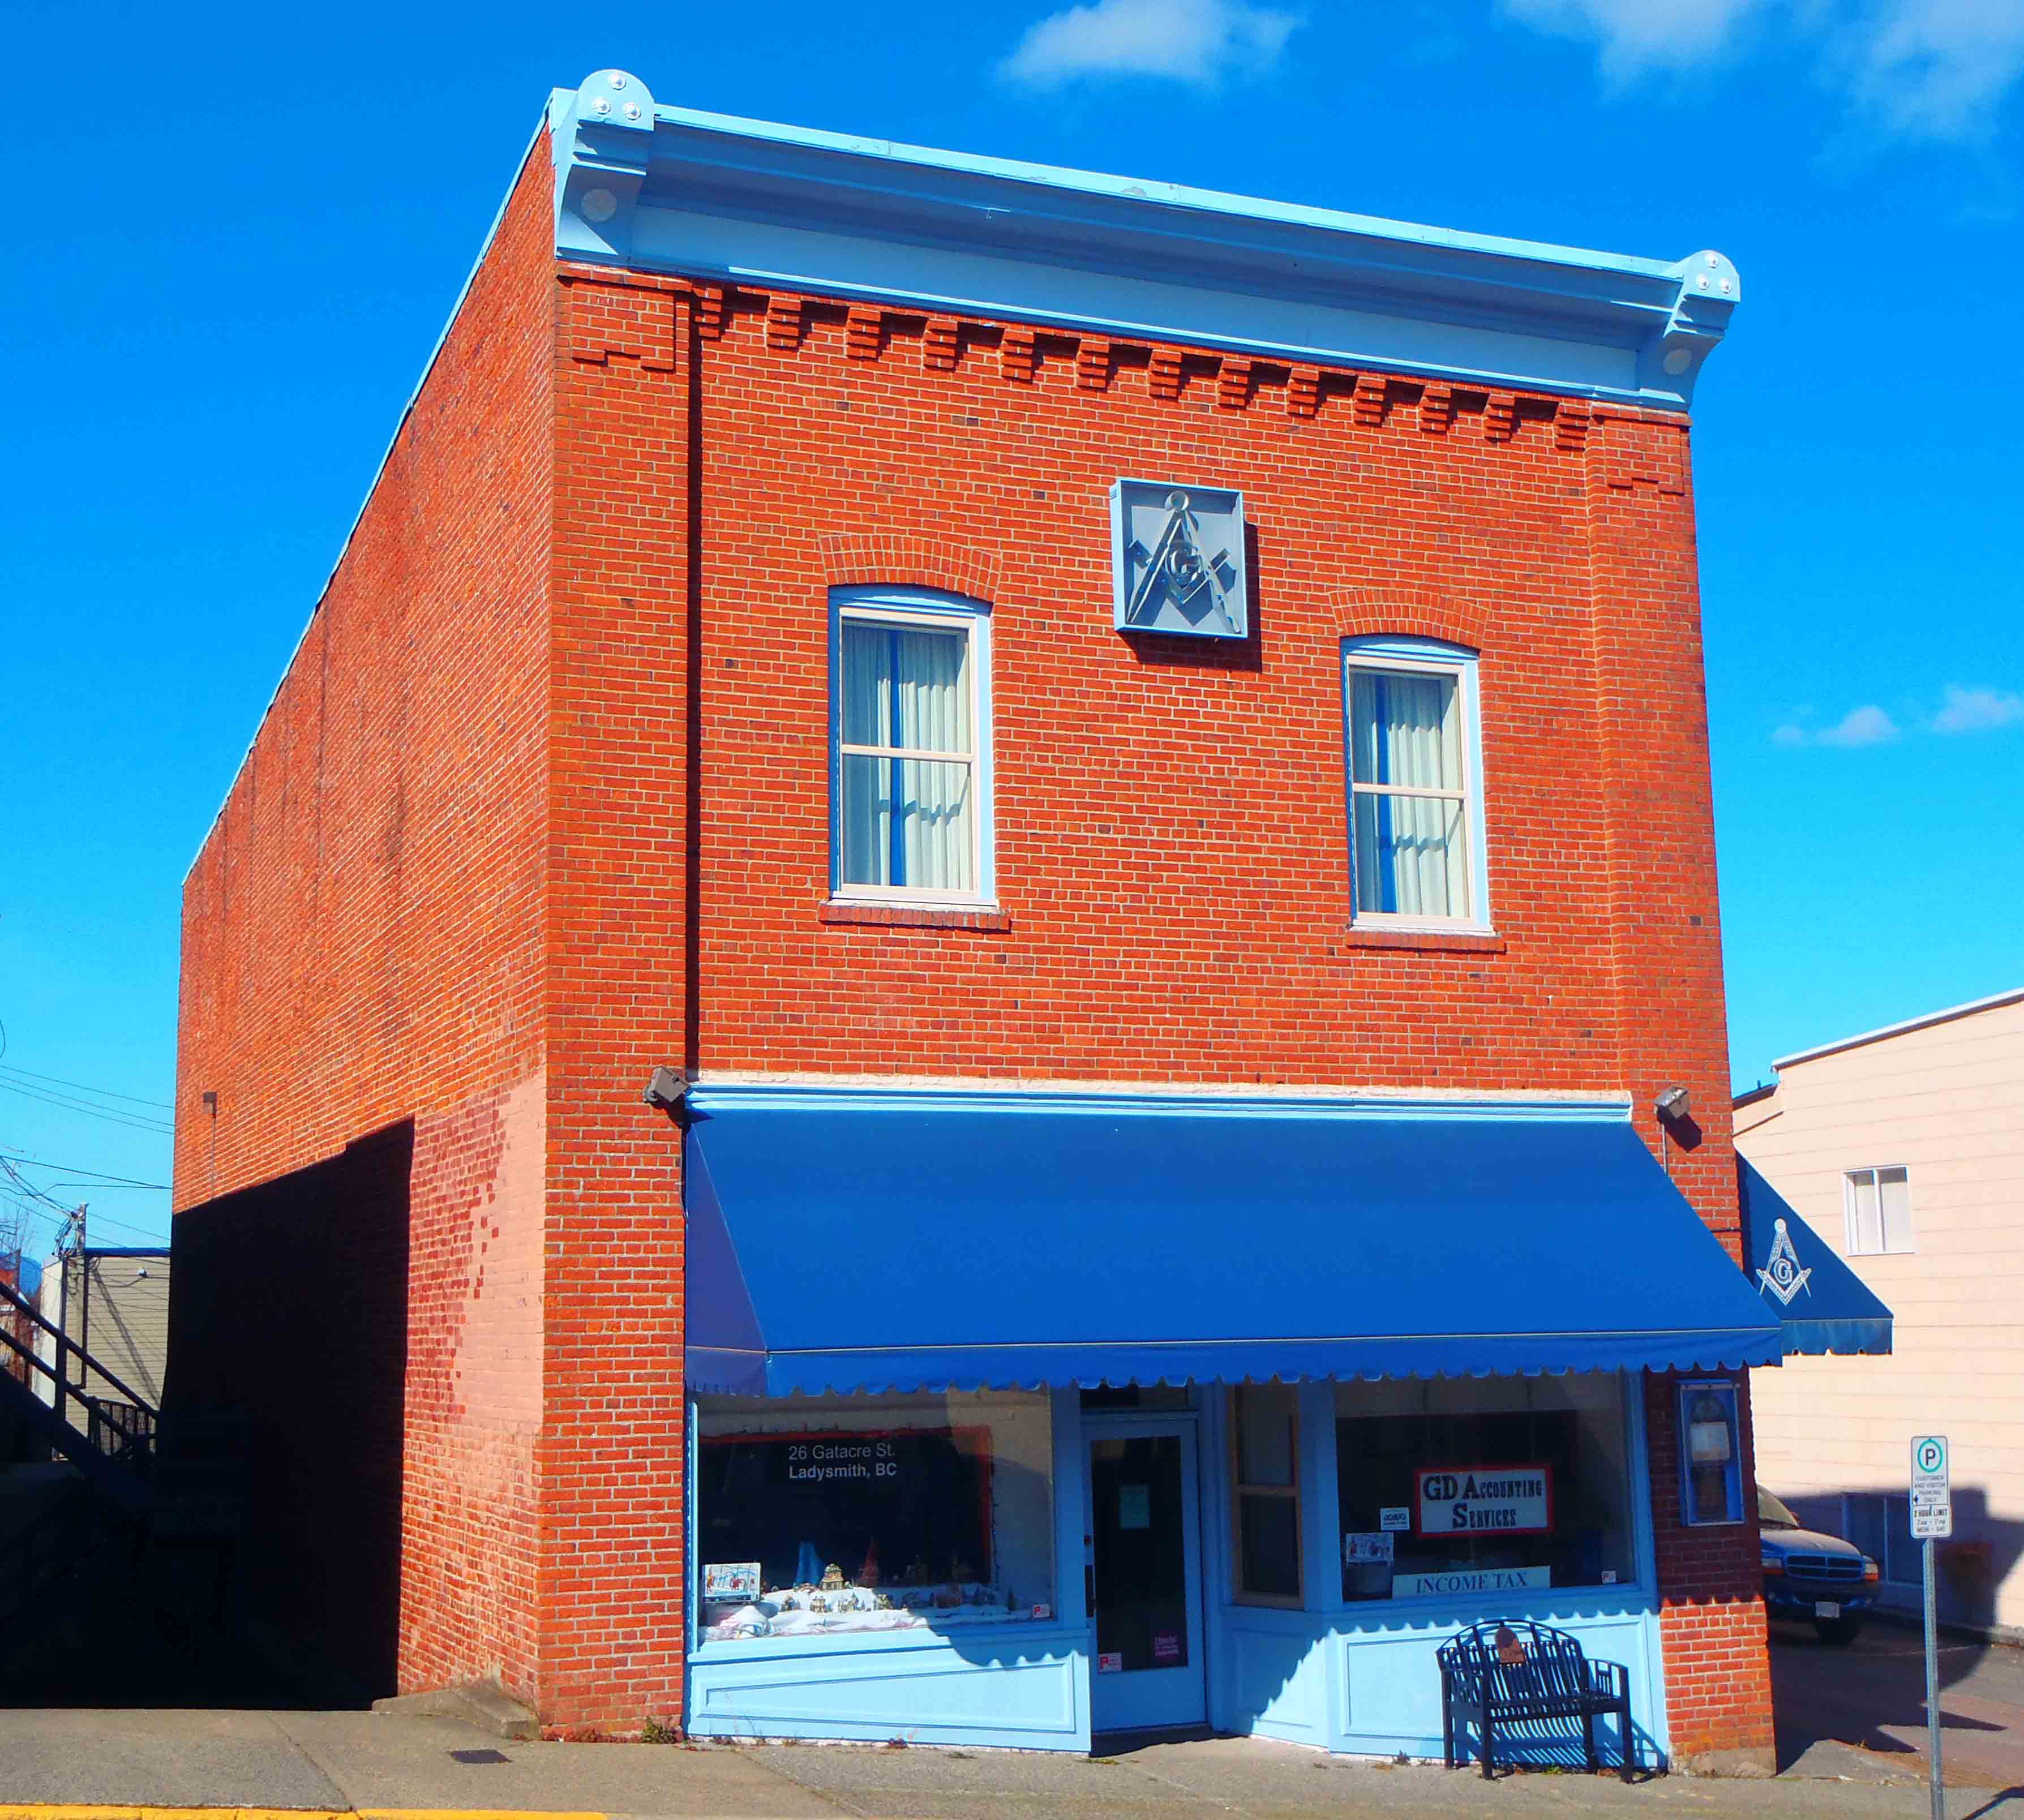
<point x="1811" y="1576"/>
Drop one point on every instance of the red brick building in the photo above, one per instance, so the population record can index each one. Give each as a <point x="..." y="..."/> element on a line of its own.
<point x="772" y="653"/>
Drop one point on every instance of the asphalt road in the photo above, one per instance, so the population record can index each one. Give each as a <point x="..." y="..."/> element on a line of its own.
<point x="1871" y="1694"/>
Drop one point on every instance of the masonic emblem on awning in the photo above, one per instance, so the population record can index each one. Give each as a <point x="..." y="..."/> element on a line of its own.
<point x="1781" y="1275"/>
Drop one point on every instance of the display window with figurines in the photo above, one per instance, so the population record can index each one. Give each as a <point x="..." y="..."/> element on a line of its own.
<point x="817" y="1517"/>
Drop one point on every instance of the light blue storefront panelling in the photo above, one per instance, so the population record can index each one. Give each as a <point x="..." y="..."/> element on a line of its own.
<point x="1275" y="1675"/>
<point x="1384" y="1682"/>
<point x="1023" y="1685"/>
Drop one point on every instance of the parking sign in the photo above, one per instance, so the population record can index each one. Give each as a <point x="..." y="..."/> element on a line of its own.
<point x="1932" y="1490"/>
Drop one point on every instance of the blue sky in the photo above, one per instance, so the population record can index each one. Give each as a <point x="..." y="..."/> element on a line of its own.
<point x="238" y="232"/>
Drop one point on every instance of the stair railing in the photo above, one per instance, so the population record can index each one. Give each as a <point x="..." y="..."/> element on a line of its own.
<point x="130" y="1430"/>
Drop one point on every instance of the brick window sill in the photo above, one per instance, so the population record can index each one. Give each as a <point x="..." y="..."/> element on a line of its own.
<point x="1423" y="941"/>
<point x="986" y="918"/>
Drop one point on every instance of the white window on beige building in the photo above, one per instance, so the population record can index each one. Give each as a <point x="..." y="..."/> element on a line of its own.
<point x="1877" y="1203"/>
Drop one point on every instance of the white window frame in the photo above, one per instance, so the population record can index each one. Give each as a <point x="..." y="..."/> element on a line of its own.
<point x="1413" y="656"/>
<point x="916" y="609"/>
<point x="1850" y="1229"/>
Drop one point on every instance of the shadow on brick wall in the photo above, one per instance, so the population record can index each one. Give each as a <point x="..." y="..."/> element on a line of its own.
<point x="287" y="1355"/>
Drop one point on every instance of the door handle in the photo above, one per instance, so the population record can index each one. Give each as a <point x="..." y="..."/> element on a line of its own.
<point x="1089" y="1591"/>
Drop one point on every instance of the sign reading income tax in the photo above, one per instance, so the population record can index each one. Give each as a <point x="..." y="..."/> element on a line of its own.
<point x="1484" y="1501"/>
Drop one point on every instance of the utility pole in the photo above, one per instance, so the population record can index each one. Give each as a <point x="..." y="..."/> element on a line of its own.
<point x="63" y="1314"/>
<point x="83" y="1302"/>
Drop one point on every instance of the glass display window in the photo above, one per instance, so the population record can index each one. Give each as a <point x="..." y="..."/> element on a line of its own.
<point x="850" y="1514"/>
<point x="1505" y="1485"/>
<point x="1265" y="1493"/>
<point x="1710" y="1454"/>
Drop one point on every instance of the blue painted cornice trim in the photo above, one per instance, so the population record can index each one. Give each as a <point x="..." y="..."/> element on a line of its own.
<point x="706" y="1097"/>
<point x="745" y="201"/>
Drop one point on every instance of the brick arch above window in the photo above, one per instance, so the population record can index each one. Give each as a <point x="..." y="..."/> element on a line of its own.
<point x="1419" y="613"/>
<point x="908" y="559"/>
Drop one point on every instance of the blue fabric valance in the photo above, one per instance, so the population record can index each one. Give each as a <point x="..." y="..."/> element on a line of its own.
<point x="835" y="1245"/>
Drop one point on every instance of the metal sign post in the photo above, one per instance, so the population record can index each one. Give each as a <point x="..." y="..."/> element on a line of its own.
<point x="1932" y="1520"/>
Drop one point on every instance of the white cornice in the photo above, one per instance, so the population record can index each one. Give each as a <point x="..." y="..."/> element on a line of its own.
<point x="708" y="196"/>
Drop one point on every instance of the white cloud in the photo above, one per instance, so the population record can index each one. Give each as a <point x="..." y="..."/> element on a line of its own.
<point x="1978" y="710"/>
<point x="1198" y="42"/>
<point x="1936" y="69"/>
<point x="1865" y="725"/>
<point x="1913" y="69"/>
<point x="1868" y="725"/>
<point x="1637" y="35"/>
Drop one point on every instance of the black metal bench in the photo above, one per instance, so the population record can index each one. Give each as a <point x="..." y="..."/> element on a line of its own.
<point x="1512" y="1672"/>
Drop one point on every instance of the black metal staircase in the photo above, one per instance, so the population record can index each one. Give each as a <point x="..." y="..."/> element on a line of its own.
<point x="121" y="1534"/>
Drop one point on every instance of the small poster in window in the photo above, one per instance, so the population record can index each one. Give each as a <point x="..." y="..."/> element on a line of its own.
<point x="1395" y="1517"/>
<point x="1135" y="1506"/>
<point x="723" y="1581"/>
<point x="1110" y="1662"/>
<point x="1166" y="1646"/>
<point x="1366" y="1548"/>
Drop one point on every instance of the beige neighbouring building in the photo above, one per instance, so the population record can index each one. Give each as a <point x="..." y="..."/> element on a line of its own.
<point x="113" y="1303"/>
<point x="1904" y="1149"/>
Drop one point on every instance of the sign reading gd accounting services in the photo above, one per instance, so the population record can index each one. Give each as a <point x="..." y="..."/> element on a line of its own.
<point x="1485" y="1500"/>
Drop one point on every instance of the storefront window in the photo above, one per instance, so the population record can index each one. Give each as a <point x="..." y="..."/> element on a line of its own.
<point x="873" y="1514"/>
<point x="1497" y="1484"/>
<point x="1264" y="1445"/>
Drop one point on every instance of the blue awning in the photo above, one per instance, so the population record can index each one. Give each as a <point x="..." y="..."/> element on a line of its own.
<point x="839" y="1242"/>
<point x="1822" y="1305"/>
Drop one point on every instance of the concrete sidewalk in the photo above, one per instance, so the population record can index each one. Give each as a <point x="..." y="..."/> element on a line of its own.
<point x="341" y="1762"/>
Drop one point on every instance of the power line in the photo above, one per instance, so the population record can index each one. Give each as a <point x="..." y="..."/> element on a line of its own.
<point x="78" y="1168"/>
<point x="83" y="1087"/>
<point x="29" y="1188"/>
<point x="160" y="1127"/>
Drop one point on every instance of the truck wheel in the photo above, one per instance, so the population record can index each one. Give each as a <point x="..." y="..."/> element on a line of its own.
<point x="1837" y="1630"/>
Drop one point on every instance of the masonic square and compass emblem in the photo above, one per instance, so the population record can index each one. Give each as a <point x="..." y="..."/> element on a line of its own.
<point x="1179" y="560"/>
<point x="1781" y="1273"/>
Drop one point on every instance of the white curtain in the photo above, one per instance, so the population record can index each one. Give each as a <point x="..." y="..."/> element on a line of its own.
<point x="1406" y="730"/>
<point x="907" y="822"/>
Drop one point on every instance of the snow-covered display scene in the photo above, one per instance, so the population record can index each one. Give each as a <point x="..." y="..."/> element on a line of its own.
<point x="808" y="1610"/>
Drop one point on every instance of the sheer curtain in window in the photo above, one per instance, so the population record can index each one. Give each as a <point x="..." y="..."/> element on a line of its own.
<point x="1405" y="739"/>
<point x="907" y="821"/>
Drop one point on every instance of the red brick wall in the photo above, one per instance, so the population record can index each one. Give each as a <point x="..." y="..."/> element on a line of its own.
<point x="364" y="942"/>
<point x="617" y="939"/>
<point x="1170" y="827"/>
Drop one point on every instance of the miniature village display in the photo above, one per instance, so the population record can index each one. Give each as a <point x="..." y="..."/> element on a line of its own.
<point x="832" y="1604"/>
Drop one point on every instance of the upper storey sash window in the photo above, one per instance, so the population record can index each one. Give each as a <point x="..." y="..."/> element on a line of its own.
<point x="912" y="782"/>
<point x="1415" y="784"/>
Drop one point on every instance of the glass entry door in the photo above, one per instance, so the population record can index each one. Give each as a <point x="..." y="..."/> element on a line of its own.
<point x="1145" y="1550"/>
